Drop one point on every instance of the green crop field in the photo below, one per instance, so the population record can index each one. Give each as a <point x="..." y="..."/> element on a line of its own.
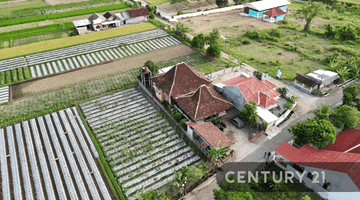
<point x="6" y="10"/>
<point x="30" y="32"/>
<point x="39" y="38"/>
<point x="158" y="2"/>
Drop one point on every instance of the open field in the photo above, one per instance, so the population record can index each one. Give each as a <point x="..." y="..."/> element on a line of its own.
<point x="158" y="2"/>
<point x="51" y="157"/>
<point x="224" y="22"/>
<point x="39" y="38"/>
<point x="6" y="9"/>
<point x="71" y="41"/>
<point x="192" y="4"/>
<point x="142" y="148"/>
<point x="92" y="73"/>
<point x="53" y="2"/>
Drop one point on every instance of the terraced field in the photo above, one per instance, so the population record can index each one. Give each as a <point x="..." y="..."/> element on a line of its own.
<point x="50" y="157"/>
<point x="140" y="145"/>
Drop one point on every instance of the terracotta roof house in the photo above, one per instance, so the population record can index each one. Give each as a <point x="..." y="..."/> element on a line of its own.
<point x="268" y="10"/>
<point x="137" y="12"/>
<point x="205" y="102"/>
<point x="341" y="169"/>
<point x="317" y="79"/>
<point x="346" y="141"/>
<point x="179" y="80"/>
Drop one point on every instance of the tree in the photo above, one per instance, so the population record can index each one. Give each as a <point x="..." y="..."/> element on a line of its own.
<point x="151" y="8"/>
<point x="152" y="16"/>
<point x="313" y="131"/>
<point x="231" y="195"/>
<point x="238" y="2"/>
<point x="257" y="75"/>
<point x="180" y="2"/>
<point x="345" y="117"/>
<point x="218" y="153"/>
<point x="214" y="50"/>
<point x="181" y="28"/>
<point x="151" y="195"/>
<point x="153" y="67"/>
<point x="198" y="41"/>
<point x="213" y="37"/>
<point x="181" y="176"/>
<point x="222" y="3"/>
<point x="249" y="113"/>
<point x="137" y="5"/>
<point x="353" y="89"/>
<point x="322" y="112"/>
<point x="309" y="12"/>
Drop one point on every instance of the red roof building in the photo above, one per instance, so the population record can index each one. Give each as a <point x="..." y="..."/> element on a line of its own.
<point x="252" y="89"/>
<point x="275" y="12"/>
<point x="212" y="135"/>
<point x="137" y="12"/>
<point x="346" y="141"/>
<point x="203" y="103"/>
<point x="179" y="80"/>
<point x="336" y="161"/>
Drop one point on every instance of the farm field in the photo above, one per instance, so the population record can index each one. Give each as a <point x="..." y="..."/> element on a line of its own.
<point x="193" y="59"/>
<point x="93" y="73"/>
<point x="53" y="2"/>
<point x="158" y="2"/>
<point x="51" y="157"/>
<point x="141" y="147"/>
<point x="229" y="23"/>
<point x="39" y="38"/>
<point x="52" y="62"/>
<point x="4" y="94"/>
<point x="71" y="41"/>
<point x="7" y="9"/>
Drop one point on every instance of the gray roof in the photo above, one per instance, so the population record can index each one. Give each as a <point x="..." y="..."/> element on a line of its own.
<point x="126" y="15"/>
<point x="323" y="76"/>
<point x="82" y="22"/>
<point x="95" y="16"/>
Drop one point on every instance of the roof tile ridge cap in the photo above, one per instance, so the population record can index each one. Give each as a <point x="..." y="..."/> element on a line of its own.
<point x="192" y="94"/>
<point x="198" y="103"/>
<point x="193" y="70"/>
<point x="242" y="94"/>
<point x="268" y="96"/>
<point x="173" y="81"/>
<point x="218" y="98"/>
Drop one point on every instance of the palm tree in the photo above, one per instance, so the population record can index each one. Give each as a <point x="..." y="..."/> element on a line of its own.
<point x="181" y="28"/>
<point x="218" y="153"/>
<point x="322" y="112"/>
<point x="181" y="177"/>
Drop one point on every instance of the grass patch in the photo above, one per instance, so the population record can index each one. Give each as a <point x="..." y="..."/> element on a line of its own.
<point x="158" y="2"/>
<point x="39" y="38"/>
<point x="8" y="10"/>
<point x="71" y="41"/>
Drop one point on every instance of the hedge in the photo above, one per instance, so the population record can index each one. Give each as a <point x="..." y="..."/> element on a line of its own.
<point x="22" y="20"/>
<point x="30" y="32"/>
<point x="72" y="41"/>
<point x="86" y="11"/>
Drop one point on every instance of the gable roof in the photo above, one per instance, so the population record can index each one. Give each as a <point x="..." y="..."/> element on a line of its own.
<point x="266" y="4"/>
<point x="274" y="12"/>
<point x="138" y="12"/>
<point x="96" y="16"/>
<point x="212" y="134"/>
<point x="305" y="80"/>
<point x="179" y="80"/>
<point x="203" y="103"/>
<point x="250" y="88"/>
<point x="348" y="163"/>
<point x="266" y="101"/>
<point x="346" y="140"/>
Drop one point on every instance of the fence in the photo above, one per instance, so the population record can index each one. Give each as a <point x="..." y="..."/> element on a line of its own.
<point x="215" y="75"/>
<point x="204" y="13"/>
<point x="182" y="131"/>
<point x="283" y="117"/>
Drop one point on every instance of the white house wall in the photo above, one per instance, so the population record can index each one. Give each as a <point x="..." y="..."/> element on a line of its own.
<point x="136" y="20"/>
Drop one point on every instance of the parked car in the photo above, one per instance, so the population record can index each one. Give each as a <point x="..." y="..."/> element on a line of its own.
<point x="237" y="122"/>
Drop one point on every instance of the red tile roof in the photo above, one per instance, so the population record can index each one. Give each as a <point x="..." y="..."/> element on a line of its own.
<point x="269" y="84"/>
<point x="345" y="141"/>
<point x="225" y="116"/>
<point x="348" y="163"/>
<point x="203" y="103"/>
<point x="190" y="123"/>
<point x="266" y="101"/>
<point x="138" y="12"/>
<point x="250" y="88"/>
<point x="212" y="134"/>
<point x="275" y="12"/>
<point x="180" y="80"/>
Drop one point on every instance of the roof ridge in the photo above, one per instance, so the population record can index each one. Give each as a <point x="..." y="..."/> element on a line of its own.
<point x="198" y="103"/>
<point x="196" y="73"/>
<point x="173" y="83"/>
<point x="217" y="97"/>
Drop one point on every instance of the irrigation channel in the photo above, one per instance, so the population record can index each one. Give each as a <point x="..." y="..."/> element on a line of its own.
<point x="141" y="146"/>
<point x="50" y="157"/>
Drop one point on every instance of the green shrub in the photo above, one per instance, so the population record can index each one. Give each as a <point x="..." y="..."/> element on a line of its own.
<point x="259" y="35"/>
<point x="216" y="120"/>
<point x="290" y="47"/>
<point x="86" y="11"/>
<point x="319" y="49"/>
<point x="198" y="41"/>
<point x="246" y="41"/>
<point x="344" y="49"/>
<point x="157" y="23"/>
<point x="214" y="50"/>
<point x="180" y="13"/>
<point x="257" y="75"/>
<point x="358" y="105"/>
<point x="315" y="92"/>
<point x="182" y="123"/>
<point x="288" y="105"/>
<point x="178" y="116"/>
<point x="275" y="62"/>
<point x="151" y="8"/>
<point x="153" y="67"/>
<point x="152" y="16"/>
<point x="265" y="125"/>
<point x="283" y="91"/>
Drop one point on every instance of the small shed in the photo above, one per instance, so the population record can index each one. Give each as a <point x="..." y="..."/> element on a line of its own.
<point x="259" y="8"/>
<point x="304" y="83"/>
<point x="323" y="77"/>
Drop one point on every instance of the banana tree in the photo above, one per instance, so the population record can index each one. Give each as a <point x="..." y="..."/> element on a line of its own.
<point x="181" y="177"/>
<point x="218" y="153"/>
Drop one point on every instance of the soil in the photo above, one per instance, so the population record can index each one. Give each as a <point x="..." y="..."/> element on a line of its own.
<point x="100" y="71"/>
<point x="206" y="24"/>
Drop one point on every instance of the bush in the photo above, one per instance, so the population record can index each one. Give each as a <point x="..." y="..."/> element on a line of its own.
<point x="73" y="33"/>
<point x="152" y="16"/>
<point x="151" y="8"/>
<point x="288" y="105"/>
<point x="182" y="123"/>
<point x="216" y="120"/>
<point x="290" y="47"/>
<point x="178" y="116"/>
<point x="153" y="67"/>
<point x="265" y="125"/>
<point x="315" y="92"/>
<point x="257" y="75"/>
<point x="319" y="49"/>
<point x="180" y="13"/>
<point x="222" y="3"/>
<point x="198" y="41"/>
<point x="283" y="91"/>
<point x="214" y="50"/>
<point x="275" y="62"/>
<point x="259" y="35"/>
<point x="246" y="41"/>
<point x="157" y="23"/>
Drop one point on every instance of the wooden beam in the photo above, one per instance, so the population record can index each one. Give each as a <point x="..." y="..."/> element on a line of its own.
<point x="7" y="155"/>
<point x="91" y="172"/>
<point x="65" y="133"/>
<point x="56" y="159"/>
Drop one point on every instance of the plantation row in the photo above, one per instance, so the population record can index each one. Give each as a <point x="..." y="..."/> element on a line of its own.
<point x="35" y="31"/>
<point x="100" y="56"/>
<point x="92" y="47"/>
<point x="4" y="94"/>
<point x="50" y="157"/>
<point x="141" y="146"/>
<point x="193" y="59"/>
<point x="37" y="18"/>
<point x="15" y="75"/>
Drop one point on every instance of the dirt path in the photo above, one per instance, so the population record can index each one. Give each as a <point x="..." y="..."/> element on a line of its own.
<point x="92" y="73"/>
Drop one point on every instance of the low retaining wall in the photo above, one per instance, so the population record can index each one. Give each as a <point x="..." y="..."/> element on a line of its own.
<point x="220" y="10"/>
<point x="283" y="117"/>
